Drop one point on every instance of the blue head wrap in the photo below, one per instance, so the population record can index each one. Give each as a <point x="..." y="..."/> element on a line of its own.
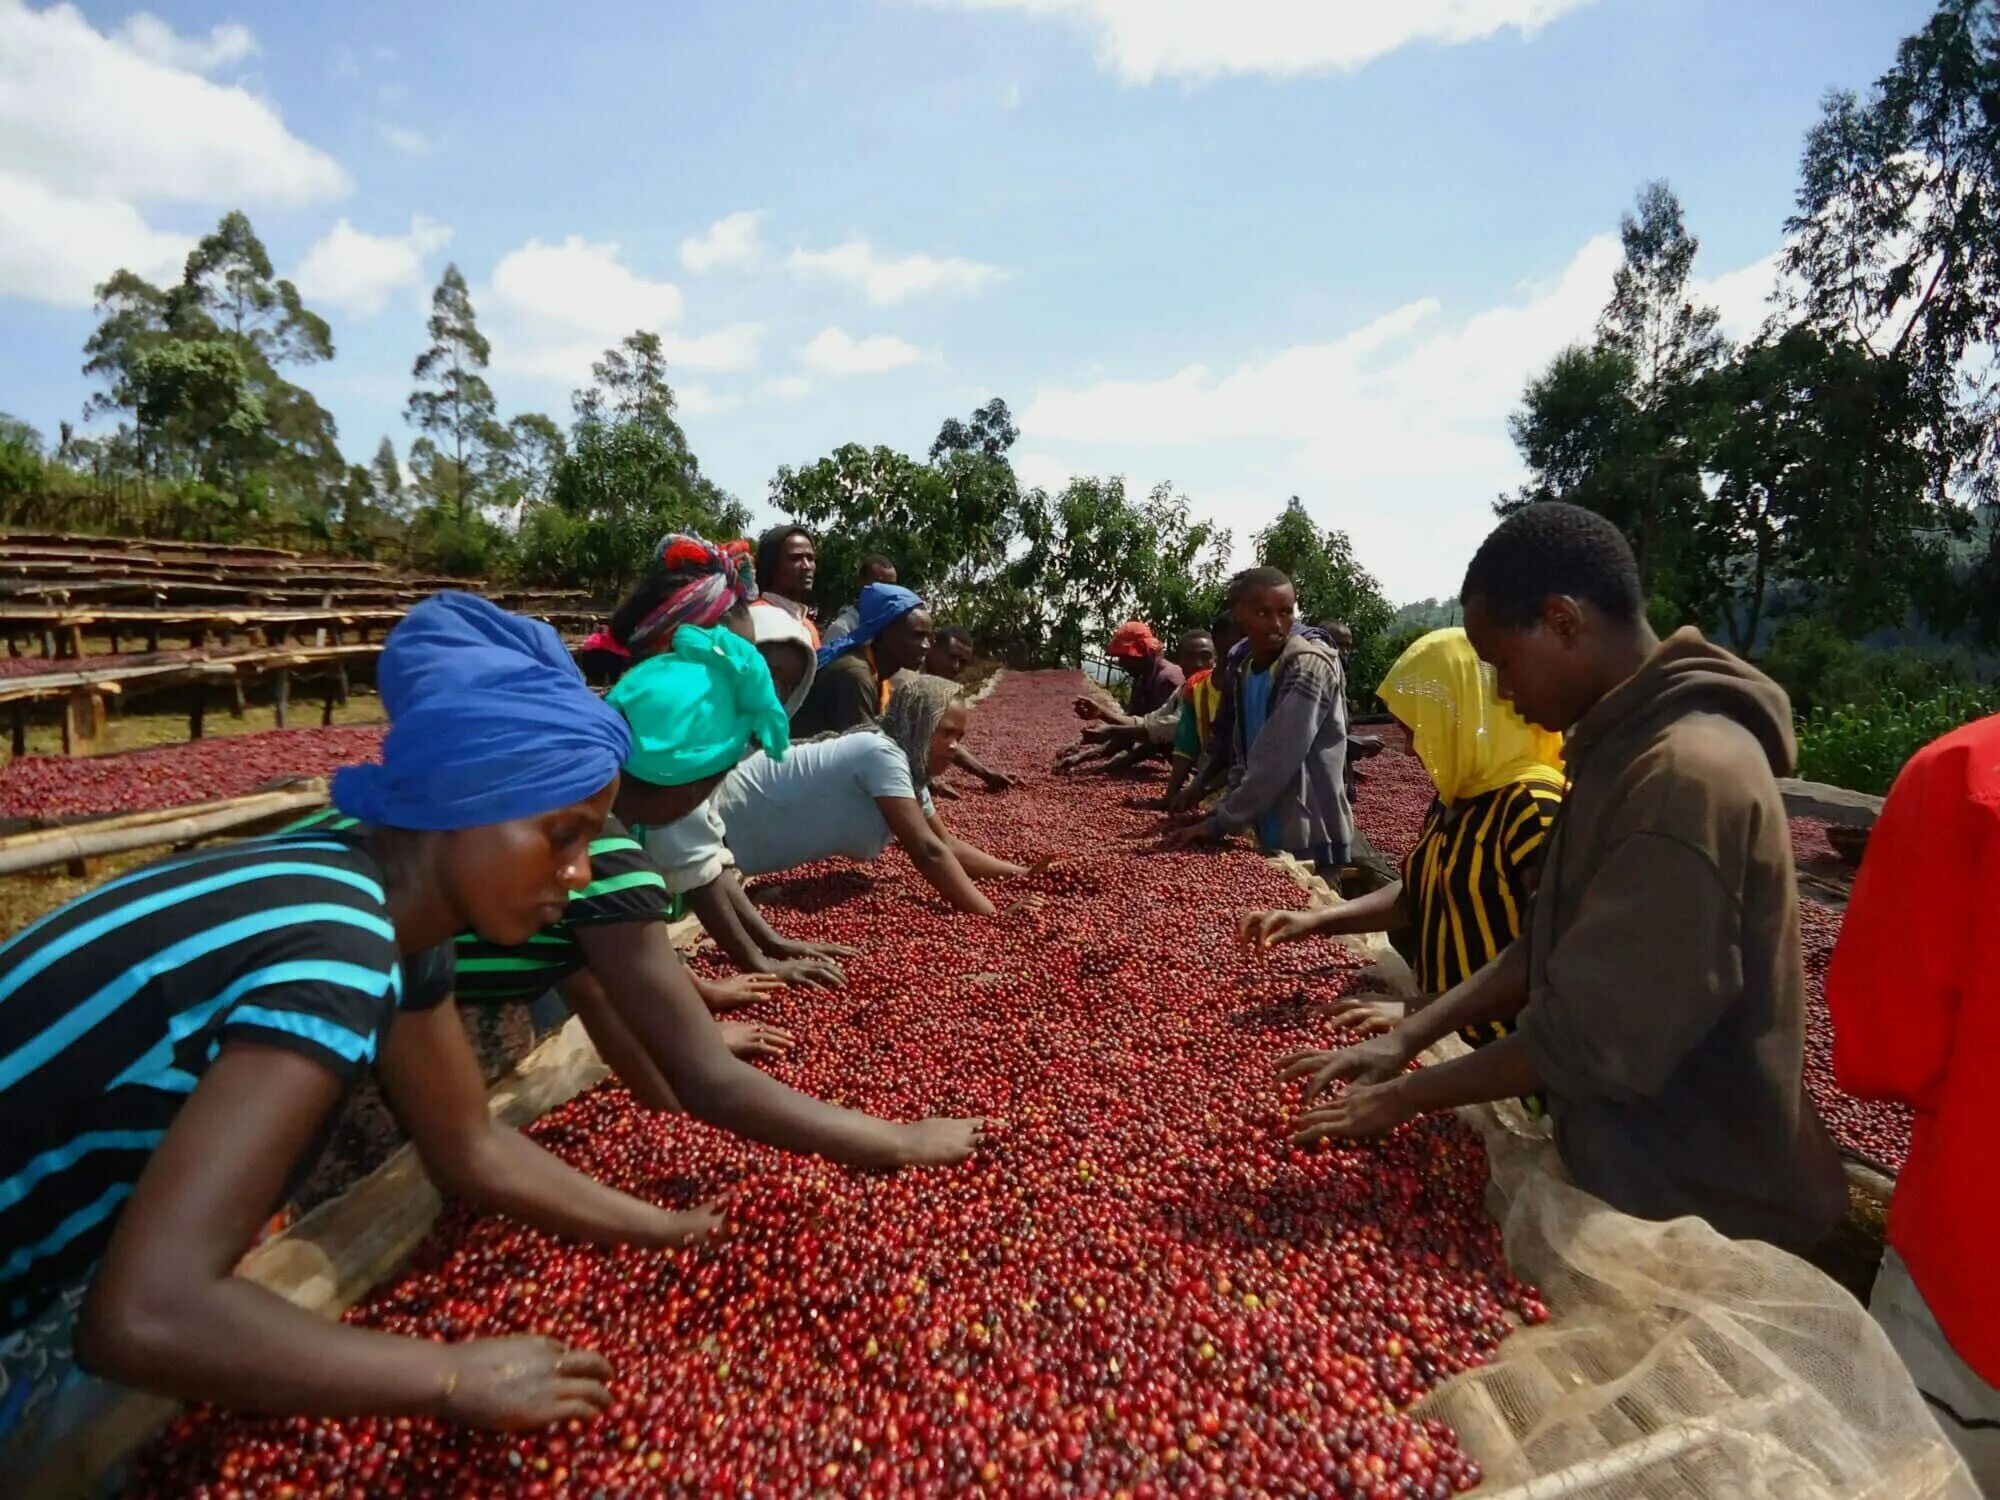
<point x="489" y="720"/>
<point x="881" y="605"/>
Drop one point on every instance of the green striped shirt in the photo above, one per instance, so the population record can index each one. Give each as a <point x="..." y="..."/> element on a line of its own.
<point x="625" y="886"/>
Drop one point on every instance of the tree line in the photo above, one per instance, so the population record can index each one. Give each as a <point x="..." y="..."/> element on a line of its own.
<point x="1838" y="472"/>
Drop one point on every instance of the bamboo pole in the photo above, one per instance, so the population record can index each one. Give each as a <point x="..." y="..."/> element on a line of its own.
<point x="55" y="846"/>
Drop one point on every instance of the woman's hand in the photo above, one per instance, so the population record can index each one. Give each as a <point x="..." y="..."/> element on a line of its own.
<point x="748" y="1039"/>
<point x="738" y="990"/>
<point x="1373" y="1061"/>
<point x="1189" y="835"/>
<point x="1266" y="929"/>
<point x="1366" y="1017"/>
<point x="814" y="973"/>
<point x="996" y="781"/>
<point x="505" y="1385"/>
<point x="940" y="1143"/>
<point x="1365" y="1109"/>
<point x="834" y="951"/>
<point x="690" y="1226"/>
<point x="1021" y="909"/>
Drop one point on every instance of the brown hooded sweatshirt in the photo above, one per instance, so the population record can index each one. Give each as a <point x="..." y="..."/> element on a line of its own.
<point x="1666" y="1001"/>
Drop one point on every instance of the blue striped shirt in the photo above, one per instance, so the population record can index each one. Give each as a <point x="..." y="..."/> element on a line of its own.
<point x="113" y="1006"/>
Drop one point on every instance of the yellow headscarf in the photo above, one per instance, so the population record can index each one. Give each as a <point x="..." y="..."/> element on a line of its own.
<point x="1469" y="741"/>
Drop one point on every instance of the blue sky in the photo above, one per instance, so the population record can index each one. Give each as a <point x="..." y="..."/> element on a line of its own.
<point x="1256" y="248"/>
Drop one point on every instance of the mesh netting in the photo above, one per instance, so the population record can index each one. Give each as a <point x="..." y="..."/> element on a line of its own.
<point x="1679" y="1363"/>
<point x="1676" y="1364"/>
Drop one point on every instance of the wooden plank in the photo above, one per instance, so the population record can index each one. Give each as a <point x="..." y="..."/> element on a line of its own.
<point x="83" y="721"/>
<point x="57" y="846"/>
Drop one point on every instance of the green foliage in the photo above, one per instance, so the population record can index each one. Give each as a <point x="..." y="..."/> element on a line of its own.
<point x="1374" y="657"/>
<point x="947" y="523"/>
<point x="452" y="405"/>
<point x="1863" y="748"/>
<point x="1332" y="586"/>
<point x="1093" y="558"/>
<point x="596" y="505"/>
<point x="1896" y="243"/>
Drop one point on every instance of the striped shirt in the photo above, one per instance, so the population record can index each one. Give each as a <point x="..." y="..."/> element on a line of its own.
<point x="625" y="886"/>
<point x="112" y="1007"/>
<point x="1468" y="881"/>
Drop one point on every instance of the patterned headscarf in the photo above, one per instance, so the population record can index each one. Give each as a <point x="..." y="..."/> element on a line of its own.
<point x="698" y="583"/>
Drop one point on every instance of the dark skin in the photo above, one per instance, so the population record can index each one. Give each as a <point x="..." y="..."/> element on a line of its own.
<point x="797" y="568"/>
<point x="949" y="657"/>
<point x="1553" y="671"/>
<point x="677" y="1058"/>
<point x="723" y="907"/>
<point x="166" y="1313"/>
<point x="1264" y="616"/>
<point x="904" y="644"/>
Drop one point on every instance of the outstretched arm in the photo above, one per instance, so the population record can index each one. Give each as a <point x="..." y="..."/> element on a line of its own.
<point x="646" y="984"/>
<point x="434" y="1085"/>
<point x="933" y="855"/>
<point x="976" y="861"/>
<point x="965" y="760"/>
<point x="166" y="1313"/>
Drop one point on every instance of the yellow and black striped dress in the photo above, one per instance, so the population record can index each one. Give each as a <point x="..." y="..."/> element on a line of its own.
<point x="1468" y="883"/>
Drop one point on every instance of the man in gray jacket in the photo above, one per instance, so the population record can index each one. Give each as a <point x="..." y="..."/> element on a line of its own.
<point x="1288" y="722"/>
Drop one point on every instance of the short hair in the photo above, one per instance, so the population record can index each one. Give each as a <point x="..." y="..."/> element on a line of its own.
<point x="1197" y="634"/>
<point x="1552" y="548"/>
<point x="945" y="635"/>
<point x="769" y="545"/>
<point x="874" y="562"/>
<point x="1256" y="578"/>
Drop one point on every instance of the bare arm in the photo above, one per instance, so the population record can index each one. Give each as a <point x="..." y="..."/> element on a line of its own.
<point x="1378" y="911"/>
<point x="933" y="856"/>
<point x="645" y="983"/>
<point x="995" y="781"/>
<point x="166" y="1314"/>
<point x="977" y="862"/>
<point x="729" y="916"/>
<point x="776" y="943"/>
<point x="435" y="1087"/>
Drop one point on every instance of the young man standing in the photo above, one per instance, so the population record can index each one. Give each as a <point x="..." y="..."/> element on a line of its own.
<point x="1289" y="735"/>
<point x="1915" y="996"/>
<point x="787" y="567"/>
<point x="875" y="568"/>
<point x="1658" y="988"/>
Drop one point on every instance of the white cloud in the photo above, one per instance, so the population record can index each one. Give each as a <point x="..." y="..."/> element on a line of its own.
<point x="352" y="269"/>
<point x="734" y="347"/>
<point x="891" y="281"/>
<point x="56" y="249"/>
<point x="402" y="138"/>
<point x="697" y="400"/>
<point x="103" y="119"/>
<point x="94" y="126"/>
<point x="788" y="388"/>
<point x="1143" y="41"/>
<point x="1395" y="431"/>
<point x="151" y="37"/>
<point x="733" y="240"/>
<point x="555" y="309"/>
<point x="834" y="351"/>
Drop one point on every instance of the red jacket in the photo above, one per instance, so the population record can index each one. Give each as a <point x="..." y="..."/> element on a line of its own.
<point x="1915" y="993"/>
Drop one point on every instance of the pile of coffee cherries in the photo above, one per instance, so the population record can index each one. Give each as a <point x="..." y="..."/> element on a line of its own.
<point x="1137" y="1289"/>
<point x="51" y="786"/>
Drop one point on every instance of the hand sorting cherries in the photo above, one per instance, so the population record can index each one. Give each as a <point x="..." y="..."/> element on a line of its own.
<point x="1390" y="806"/>
<point x="1139" y="1288"/>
